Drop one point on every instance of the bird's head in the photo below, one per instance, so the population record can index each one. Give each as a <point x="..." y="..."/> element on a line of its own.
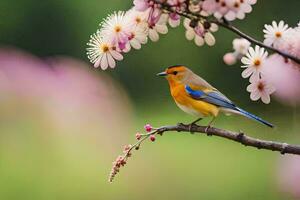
<point x="176" y="73"/>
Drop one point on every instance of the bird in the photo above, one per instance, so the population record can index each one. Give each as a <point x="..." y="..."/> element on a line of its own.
<point x="197" y="97"/>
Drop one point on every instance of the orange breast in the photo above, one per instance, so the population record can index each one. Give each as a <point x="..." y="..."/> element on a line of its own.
<point x="192" y="106"/>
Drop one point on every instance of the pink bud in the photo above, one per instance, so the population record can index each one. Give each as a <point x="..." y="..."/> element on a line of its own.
<point x="127" y="147"/>
<point x="152" y="138"/>
<point x="123" y="162"/>
<point x="138" y="136"/>
<point x="148" y="127"/>
<point x="229" y="59"/>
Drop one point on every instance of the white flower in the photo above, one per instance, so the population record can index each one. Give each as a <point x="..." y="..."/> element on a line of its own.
<point x="137" y="28"/>
<point x="260" y="89"/>
<point x="102" y="53"/>
<point x="275" y="33"/>
<point x="115" y="29"/>
<point x="253" y="62"/>
<point x="241" y="45"/>
<point x="136" y="18"/>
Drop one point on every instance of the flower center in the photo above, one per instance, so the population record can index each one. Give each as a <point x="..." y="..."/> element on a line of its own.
<point x="131" y="36"/>
<point x="278" y="34"/>
<point x="105" y="48"/>
<point x="236" y="4"/>
<point x="118" y="29"/>
<point x="138" y="20"/>
<point x="257" y="62"/>
<point x="260" y="87"/>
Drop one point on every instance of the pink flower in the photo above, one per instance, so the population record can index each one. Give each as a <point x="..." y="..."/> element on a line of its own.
<point x="260" y="89"/>
<point x="289" y="175"/>
<point x="177" y="5"/>
<point x="148" y="127"/>
<point x="141" y="5"/>
<point x="209" y="6"/>
<point x="229" y="9"/>
<point x="285" y="77"/>
<point x="157" y="23"/>
<point x="291" y="44"/>
<point x="199" y="33"/>
<point x="229" y="59"/>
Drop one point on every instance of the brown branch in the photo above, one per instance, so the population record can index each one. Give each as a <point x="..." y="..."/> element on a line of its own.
<point x="228" y="26"/>
<point x="240" y="137"/>
<point x="254" y="41"/>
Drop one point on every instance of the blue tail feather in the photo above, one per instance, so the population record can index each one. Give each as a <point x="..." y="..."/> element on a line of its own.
<point x="254" y="117"/>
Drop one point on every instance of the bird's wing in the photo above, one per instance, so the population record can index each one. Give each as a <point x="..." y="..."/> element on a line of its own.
<point x="210" y="96"/>
<point x="196" y="82"/>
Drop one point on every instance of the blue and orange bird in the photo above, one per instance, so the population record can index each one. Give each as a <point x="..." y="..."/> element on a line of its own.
<point x="195" y="96"/>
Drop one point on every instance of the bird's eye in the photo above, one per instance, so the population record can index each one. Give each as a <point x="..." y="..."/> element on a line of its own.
<point x="175" y="72"/>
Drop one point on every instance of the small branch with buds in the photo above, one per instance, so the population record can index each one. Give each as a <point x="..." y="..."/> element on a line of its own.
<point x="238" y="137"/>
<point x="225" y="24"/>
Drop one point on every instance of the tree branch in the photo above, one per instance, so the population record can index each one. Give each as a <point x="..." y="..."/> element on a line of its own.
<point x="226" y="25"/>
<point x="240" y="137"/>
<point x="254" y="41"/>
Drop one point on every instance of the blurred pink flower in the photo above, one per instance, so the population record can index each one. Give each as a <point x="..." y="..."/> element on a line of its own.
<point x="289" y="175"/>
<point x="291" y="44"/>
<point x="285" y="77"/>
<point x="229" y="59"/>
<point x="66" y="92"/>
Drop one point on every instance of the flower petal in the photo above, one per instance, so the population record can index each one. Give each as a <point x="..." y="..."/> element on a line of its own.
<point x="111" y="61"/>
<point x="247" y="72"/>
<point x="116" y="55"/>
<point x="153" y="35"/>
<point x="104" y="62"/>
<point x="199" y="41"/>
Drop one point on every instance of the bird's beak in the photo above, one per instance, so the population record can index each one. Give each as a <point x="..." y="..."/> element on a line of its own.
<point x="161" y="74"/>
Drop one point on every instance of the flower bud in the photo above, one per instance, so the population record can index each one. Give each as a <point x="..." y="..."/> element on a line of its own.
<point x="229" y="59"/>
<point x="152" y="138"/>
<point x="148" y="127"/>
<point x="138" y="136"/>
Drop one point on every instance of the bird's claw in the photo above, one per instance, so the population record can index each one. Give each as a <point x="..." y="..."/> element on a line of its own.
<point x="180" y="124"/>
<point x="207" y="129"/>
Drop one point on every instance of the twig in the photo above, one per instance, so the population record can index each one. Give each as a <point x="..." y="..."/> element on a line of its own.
<point x="239" y="137"/>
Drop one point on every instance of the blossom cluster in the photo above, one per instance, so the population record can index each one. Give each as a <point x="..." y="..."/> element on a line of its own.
<point x="260" y="67"/>
<point x="147" y="19"/>
<point x="121" y="160"/>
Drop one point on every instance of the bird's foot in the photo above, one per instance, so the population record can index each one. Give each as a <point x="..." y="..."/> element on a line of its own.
<point x="193" y="123"/>
<point x="207" y="129"/>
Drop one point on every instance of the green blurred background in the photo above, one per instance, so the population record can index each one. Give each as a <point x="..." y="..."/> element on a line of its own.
<point x="68" y="154"/>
